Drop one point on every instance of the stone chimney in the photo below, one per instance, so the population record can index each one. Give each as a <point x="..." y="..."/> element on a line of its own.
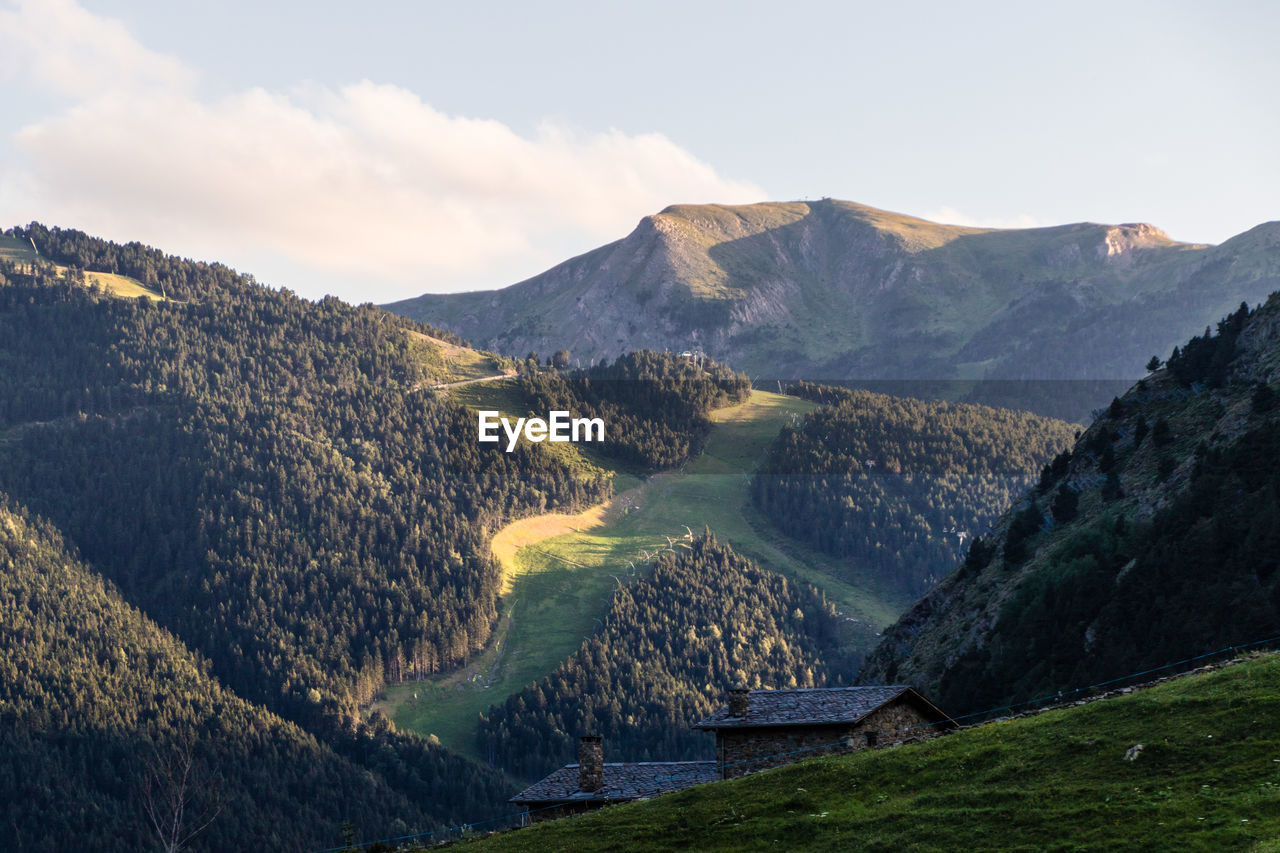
<point x="590" y="763"/>
<point x="739" y="701"/>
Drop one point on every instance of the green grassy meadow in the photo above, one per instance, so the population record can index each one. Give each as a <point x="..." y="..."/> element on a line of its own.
<point x="1207" y="779"/>
<point x="444" y="362"/>
<point x="561" y="586"/>
<point x="21" y="252"/>
<point x="17" y="251"/>
<point x="121" y="285"/>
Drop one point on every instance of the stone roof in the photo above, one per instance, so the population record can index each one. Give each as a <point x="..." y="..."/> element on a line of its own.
<point x="813" y="706"/>
<point x="622" y="782"/>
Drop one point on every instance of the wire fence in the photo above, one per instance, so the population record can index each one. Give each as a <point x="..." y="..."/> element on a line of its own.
<point x="666" y="784"/>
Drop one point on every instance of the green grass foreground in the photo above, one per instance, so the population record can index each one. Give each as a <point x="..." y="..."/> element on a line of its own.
<point x="1207" y="779"/>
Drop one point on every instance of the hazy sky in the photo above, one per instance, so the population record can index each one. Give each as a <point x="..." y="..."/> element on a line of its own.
<point x="380" y="150"/>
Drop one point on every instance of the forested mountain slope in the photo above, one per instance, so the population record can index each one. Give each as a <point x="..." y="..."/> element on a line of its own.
<point x="1156" y="538"/>
<point x="655" y="405"/>
<point x="832" y="290"/>
<point x="899" y="484"/>
<point x="273" y="482"/>
<point x="669" y="648"/>
<point x="265" y="478"/>
<point x="251" y="467"/>
<point x="95" y="699"/>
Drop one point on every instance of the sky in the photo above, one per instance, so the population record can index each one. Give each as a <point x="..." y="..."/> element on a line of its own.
<point x="377" y="151"/>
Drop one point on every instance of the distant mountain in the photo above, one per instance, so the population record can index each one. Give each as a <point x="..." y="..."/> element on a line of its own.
<point x="833" y="290"/>
<point x="1155" y="539"/>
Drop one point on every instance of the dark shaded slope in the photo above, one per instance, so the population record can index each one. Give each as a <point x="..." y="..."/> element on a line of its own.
<point x="93" y="695"/>
<point x="1155" y="539"/>
<point x="262" y="475"/>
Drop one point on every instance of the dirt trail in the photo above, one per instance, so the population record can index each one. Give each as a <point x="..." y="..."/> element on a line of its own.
<point x="441" y="385"/>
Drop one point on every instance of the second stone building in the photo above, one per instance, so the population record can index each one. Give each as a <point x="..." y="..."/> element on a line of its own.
<point x="769" y="728"/>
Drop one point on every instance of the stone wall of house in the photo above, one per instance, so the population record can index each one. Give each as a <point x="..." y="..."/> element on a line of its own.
<point x="899" y="722"/>
<point x="538" y="812"/>
<point x="743" y="751"/>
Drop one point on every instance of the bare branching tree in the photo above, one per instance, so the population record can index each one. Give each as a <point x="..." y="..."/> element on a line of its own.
<point x="178" y="799"/>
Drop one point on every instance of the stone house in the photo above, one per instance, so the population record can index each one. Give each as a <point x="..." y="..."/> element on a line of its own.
<point x="769" y="728"/>
<point x="591" y="783"/>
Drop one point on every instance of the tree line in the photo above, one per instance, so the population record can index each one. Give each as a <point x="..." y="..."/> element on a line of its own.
<point x="899" y="484"/>
<point x="654" y="405"/>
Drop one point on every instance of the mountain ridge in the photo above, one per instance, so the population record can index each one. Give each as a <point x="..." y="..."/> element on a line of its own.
<point x="838" y="291"/>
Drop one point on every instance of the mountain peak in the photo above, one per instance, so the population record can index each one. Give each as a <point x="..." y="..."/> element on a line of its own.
<point x="840" y="290"/>
<point x="1134" y="235"/>
<point x="725" y="221"/>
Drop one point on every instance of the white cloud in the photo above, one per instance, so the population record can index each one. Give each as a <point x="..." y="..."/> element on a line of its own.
<point x="61" y="46"/>
<point x="366" y="182"/>
<point x="951" y="216"/>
